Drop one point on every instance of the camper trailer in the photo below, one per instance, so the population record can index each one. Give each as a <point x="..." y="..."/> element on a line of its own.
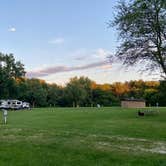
<point x="25" y="105"/>
<point x="4" y="104"/>
<point x="14" y="104"/>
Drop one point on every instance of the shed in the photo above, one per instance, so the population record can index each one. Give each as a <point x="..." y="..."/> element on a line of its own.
<point x="133" y="103"/>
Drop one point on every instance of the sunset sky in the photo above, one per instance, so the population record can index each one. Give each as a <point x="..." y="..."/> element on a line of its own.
<point x="60" y="39"/>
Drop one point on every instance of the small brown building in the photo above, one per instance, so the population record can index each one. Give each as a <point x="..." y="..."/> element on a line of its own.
<point x="133" y="103"/>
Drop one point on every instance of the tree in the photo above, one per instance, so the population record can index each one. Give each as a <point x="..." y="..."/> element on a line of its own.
<point x="86" y="84"/>
<point x="10" y="70"/>
<point x="142" y="30"/>
<point x="76" y="92"/>
<point x="151" y="97"/>
<point x="104" y="98"/>
<point x="162" y="93"/>
<point x="54" y="95"/>
<point x="22" y="89"/>
<point x="119" y="89"/>
<point x="36" y="94"/>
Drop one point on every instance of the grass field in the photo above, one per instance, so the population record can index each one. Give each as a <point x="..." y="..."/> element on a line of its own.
<point x="83" y="137"/>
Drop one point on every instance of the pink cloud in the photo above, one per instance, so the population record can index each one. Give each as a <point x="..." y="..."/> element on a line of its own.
<point x="59" y="69"/>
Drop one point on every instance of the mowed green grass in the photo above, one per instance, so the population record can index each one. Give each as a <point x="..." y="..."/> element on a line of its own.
<point x="83" y="137"/>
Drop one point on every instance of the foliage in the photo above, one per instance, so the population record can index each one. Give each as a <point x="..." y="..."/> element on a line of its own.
<point x="54" y="95"/>
<point x="78" y="91"/>
<point x="10" y="70"/>
<point x="142" y="30"/>
<point x="84" y="92"/>
<point x="36" y="94"/>
<point x="162" y="93"/>
<point x="104" y="98"/>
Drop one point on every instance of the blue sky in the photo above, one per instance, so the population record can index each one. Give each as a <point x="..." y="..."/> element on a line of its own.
<point x="60" y="39"/>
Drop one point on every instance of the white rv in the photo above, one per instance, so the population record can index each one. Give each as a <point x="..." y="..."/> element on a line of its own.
<point x="25" y="105"/>
<point x="4" y="104"/>
<point x="14" y="104"/>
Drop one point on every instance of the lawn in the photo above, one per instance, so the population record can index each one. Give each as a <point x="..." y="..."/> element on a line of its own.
<point x="83" y="137"/>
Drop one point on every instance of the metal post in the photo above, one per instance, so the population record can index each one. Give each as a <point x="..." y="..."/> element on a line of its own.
<point x="4" y="116"/>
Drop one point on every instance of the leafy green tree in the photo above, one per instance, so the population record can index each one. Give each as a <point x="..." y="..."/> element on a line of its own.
<point x="22" y="89"/>
<point x="151" y="96"/>
<point x="136" y="89"/>
<point x="36" y="94"/>
<point x="162" y="93"/>
<point x="54" y="95"/>
<point x="104" y="98"/>
<point x="142" y="30"/>
<point x="86" y="84"/>
<point x="76" y="92"/>
<point x="10" y="70"/>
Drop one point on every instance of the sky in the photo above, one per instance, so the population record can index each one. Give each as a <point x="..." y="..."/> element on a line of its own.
<point x="60" y="39"/>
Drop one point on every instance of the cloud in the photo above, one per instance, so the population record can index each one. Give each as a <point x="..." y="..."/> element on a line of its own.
<point x="58" y="40"/>
<point x="102" y="53"/>
<point x="108" y="66"/>
<point x="80" y="58"/>
<point x="80" y="54"/>
<point x="12" y="29"/>
<point x="59" y="69"/>
<point x="98" y="54"/>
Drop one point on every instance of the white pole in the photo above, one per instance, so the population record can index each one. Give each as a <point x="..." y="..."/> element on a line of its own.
<point x="5" y="116"/>
<point x="5" y="119"/>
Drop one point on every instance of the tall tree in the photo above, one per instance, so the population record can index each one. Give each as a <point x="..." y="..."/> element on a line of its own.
<point x="86" y="84"/>
<point x="10" y="70"/>
<point x="76" y="91"/>
<point x="54" y="95"/>
<point x="142" y="30"/>
<point x="37" y="95"/>
<point x="162" y="93"/>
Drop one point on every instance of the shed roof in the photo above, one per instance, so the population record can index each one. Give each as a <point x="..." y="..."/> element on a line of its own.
<point x="133" y="99"/>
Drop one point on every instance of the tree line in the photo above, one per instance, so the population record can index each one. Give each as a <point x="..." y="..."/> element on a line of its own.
<point x="84" y="92"/>
<point x="79" y="91"/>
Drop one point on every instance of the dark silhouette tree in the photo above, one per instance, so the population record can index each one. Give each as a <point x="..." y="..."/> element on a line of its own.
<point x="142" y="30"/>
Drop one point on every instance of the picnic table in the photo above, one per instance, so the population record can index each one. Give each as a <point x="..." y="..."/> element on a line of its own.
<point x="151" y="112"/>
<point x="148" y="112"/>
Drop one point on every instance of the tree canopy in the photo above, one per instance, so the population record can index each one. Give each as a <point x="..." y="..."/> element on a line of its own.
<point x="10" y="70"/>
<point x="142" y="31"/>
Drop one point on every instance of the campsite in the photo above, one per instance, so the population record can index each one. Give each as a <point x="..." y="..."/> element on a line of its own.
<point x="83" y="136"/>
<point x="83" y="83"/>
